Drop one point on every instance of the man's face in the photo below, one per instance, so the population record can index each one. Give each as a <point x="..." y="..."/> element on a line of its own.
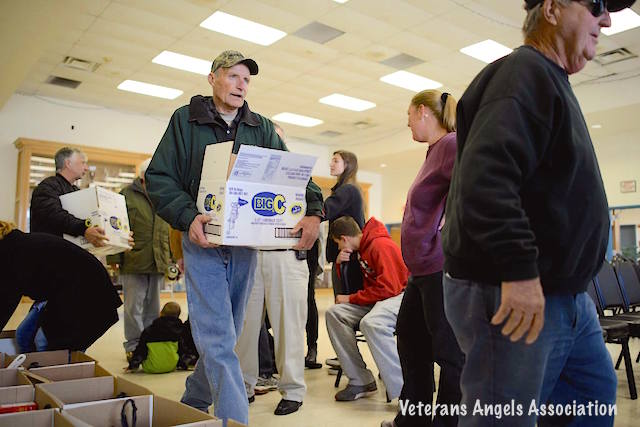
<point x="230" y="87"/>
<point x="77" y="165"/>
<point x="579" y="31"/>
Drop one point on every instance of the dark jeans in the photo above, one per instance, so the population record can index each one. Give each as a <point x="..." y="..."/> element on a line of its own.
<point x="266" y="358"/>
<point x="312" y="308"/>
<point x="29" y="334"/>
<point x="567" y="364"/>
<point x="424" y="337"/>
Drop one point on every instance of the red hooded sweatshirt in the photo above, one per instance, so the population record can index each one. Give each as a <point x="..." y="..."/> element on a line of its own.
<point x="384" y="272"/>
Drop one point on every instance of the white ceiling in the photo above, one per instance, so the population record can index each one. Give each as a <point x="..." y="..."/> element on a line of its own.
<point x="124" y="35"/>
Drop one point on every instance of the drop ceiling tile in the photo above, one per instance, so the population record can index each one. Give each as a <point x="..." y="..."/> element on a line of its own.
<point x="398" y="13"/>
<point x="130" y="34"/>
<point x="265" y="14"/>
<point x="351" y="21"/>
<point x="125" y="14"/>
<point x="348" y="43"/>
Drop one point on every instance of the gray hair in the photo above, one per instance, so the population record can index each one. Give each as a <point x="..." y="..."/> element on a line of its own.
<point x="143" y="167"/>
<point x="532" y="20"/>
<point x="62" y="155"/>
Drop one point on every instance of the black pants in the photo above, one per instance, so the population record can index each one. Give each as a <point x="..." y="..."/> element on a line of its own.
<point x="424" y="337"/>
<point x="312" y="308"/>
<point x="266" y="353"/>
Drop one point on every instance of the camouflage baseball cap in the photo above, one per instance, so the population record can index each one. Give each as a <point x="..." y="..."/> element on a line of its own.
<point x="229" y="58"/>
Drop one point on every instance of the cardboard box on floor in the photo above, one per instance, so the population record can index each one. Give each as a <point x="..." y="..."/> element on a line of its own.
<point x="7" y="346"/>
<point x="73" y="371"/>
<point x="49" y="358"/>
<point x="40" y="418"/>
<point x="62" y="393"/>
<point x="152" y="411"/>
<point x="102" y="208"/>
<point x="254" y="199"/>
<point x="15" y="387"/>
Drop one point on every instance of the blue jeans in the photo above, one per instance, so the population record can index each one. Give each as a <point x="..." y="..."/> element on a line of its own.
<point x="218" y="283"/>
<point x="568" y="362"/>
<point x="29" y="334"/>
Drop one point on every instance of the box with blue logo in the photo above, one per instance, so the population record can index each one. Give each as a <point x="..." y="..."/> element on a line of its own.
<point x="255" y="198"/>
<point x="103" y="208"/>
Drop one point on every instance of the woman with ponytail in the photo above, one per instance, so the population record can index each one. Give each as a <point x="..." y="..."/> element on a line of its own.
<point x="81" y="300"/>
<point x="424" y="335"/>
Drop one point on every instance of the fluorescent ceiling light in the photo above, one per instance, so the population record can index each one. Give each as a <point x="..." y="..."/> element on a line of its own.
<point x="596" y="126"/>
<point x="149" y="89"/>
<point x="407" y="80"/>
<point x="42" y="159"/>
<point x="42" y="168"/>
<point x="37" y="175"/>
<point x="119" y="179"/>
<point x="621" y="21"/>
<point x="340" y="1"/>
<point x="127" y="174"/>
<point x="241" y="28"/>
<point x="486" y="51"/>
<point x="297" y="119"/>
<point x="383" y="165"/>
<point x="183" y="62"/>
<point x="346" y="102"/>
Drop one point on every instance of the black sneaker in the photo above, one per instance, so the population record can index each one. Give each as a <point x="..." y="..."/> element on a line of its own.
<point x="286" y="407"/>
<point x="354" y="392"/>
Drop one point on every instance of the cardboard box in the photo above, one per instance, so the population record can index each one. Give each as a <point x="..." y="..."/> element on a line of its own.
<point x="15" y="388"/>
<point x="67" y="372"/>
<point x="259" y="201"/>
<point x="13" y="377"/>
<point x="8" y="346"/>
<point x="49" y="358"/>
<point x="42" y="418"/>
<point x="103" y="208"/>
<point x="152" y="411"/>
<point x="62" y="393"/>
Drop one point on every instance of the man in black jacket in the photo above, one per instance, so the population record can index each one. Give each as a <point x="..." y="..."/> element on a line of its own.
<point x="527" y="228"/>
<point x="47" y="214"/>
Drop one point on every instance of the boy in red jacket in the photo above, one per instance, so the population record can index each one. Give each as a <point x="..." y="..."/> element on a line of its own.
<point x="373" y="309"/>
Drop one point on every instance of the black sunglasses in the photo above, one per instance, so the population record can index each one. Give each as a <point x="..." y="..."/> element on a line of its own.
<point x="596" y="7"/>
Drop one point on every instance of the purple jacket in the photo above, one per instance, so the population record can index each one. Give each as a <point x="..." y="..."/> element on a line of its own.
<point x="421" y="248"/>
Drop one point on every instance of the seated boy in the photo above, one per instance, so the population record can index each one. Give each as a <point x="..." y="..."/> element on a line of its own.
<point x="373" y="309"/>
<point x="159" y="346"/>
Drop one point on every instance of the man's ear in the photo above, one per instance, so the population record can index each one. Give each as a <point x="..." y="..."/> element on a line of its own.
<point x="211" y="78"/>
<point x="550" y="9"/>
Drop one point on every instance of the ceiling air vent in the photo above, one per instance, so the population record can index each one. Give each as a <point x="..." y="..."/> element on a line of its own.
<point x="80" y="64"/>
<point x="613" y="56"/>
<point x="402" y="61"/>
<point x="61" y="81"/>
<point x="330" y="133"/>
<point x="318" y="32"/>
<point x="363" y="125"/>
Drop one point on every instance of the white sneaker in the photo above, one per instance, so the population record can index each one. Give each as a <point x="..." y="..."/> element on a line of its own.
<point x="265" y="385"/>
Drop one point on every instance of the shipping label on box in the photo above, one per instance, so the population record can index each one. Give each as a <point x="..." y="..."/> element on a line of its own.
<point x="262" y="199"/>
<point x="102" y="208"/>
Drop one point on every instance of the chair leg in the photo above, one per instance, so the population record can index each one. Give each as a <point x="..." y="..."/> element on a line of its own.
<point x="629" y="368"/>
<point x="338" y="376"/>
<point x="619" y="360"/>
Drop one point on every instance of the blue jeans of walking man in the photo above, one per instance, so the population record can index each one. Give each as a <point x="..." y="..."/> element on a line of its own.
<point x="218" y="283"/>
<point x="567" y="363"/>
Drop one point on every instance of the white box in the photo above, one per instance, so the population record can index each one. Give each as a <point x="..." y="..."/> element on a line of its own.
<point x="259" y="201"/>
<point x="102" y="208"/>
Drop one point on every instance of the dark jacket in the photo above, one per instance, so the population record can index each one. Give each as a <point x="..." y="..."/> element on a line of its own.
<point x="47" y="214"/>
<point x="82" y="301"/>
<point x="173" y="177"/>
<point x="526" y="197"/>
<point x="346" y="200"/>
<point x="161" y="330"/>
<point x="150" y="253"/>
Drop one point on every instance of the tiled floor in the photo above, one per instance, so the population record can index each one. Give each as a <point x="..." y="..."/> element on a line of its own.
<point x="319" y="409"/>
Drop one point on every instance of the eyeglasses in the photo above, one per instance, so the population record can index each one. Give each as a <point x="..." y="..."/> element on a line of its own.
<point x="596" y="7"/>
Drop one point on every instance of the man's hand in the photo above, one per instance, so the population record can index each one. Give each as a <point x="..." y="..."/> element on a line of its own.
<point x="131" y="242"/>
<point x="522" y="306"/>
<point x="196" y="232"/>
<point x="343" y="256"/>
<point x="342" y="299"/>
<point x="96" y="236"/>
<point x="310" y="226"/>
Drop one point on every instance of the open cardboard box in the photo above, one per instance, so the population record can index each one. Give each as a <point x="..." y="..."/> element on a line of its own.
<point x="73" y="371"/>
<point x="41" y="418"/>
<point x="152" y="411"/>
<point x="102" y="208"/>
<point x="62" y="393"/>
<point x="49" y="358"/>
<point x="15" y="387"/>
<point x="254" y="199"/>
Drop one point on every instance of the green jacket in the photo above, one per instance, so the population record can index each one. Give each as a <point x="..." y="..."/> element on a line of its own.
<point x="150" y="253"/>
<point x="173" y="177"/>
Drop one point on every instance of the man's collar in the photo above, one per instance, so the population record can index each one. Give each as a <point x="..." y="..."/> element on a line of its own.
<point x="203" y="111"/>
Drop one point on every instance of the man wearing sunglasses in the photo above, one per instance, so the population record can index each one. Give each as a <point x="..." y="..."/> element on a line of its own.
<point x="526" y="230"/>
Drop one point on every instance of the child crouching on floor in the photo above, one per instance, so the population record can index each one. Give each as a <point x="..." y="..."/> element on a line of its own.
<point x="161" y="347"/>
